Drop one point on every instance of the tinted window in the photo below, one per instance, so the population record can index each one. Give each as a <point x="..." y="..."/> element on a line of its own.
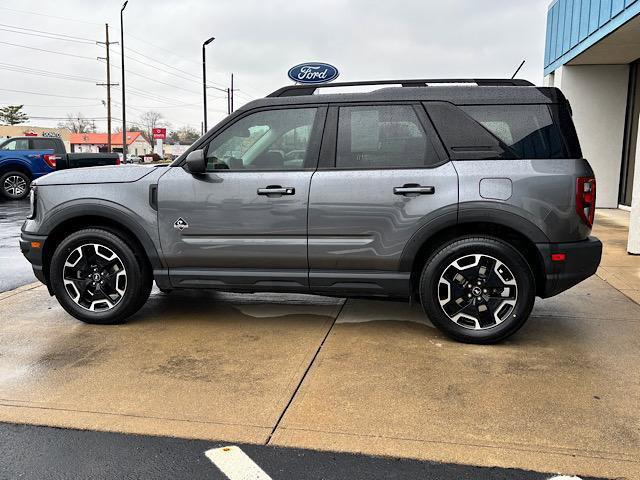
<point x="18" y="144"/>
<point x="44" y="144"/>
<point x="528" y="130"/>
<point x="269" y="140"/>
<point x="382" y="137"/>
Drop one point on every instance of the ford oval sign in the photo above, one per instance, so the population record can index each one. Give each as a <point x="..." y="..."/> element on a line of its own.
<point x="313" y="73"/>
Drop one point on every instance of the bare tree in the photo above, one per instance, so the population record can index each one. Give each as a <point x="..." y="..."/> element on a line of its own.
<point x="150" y="120"/>
<point x="78" y="124"/>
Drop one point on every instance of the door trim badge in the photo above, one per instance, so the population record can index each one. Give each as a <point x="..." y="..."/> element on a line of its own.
<point x="180" y="224"/>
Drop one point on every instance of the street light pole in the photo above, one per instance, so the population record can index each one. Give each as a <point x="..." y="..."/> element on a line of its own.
<point x="204" y="79"/>
<point x="124" y="114"/>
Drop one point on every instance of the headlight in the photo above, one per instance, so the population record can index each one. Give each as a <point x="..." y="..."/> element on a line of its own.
<point x="32" y="203"/>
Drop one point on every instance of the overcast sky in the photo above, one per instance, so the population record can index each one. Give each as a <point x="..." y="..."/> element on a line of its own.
<point x="258" y="40"/>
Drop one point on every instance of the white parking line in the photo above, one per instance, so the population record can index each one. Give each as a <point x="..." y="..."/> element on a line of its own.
<point x="564" y="477"/>
<point x="235" y="464"/>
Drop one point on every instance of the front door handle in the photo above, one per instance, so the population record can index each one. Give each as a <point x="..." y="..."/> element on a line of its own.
<point x="414" y="189"/>
<point x="276" y="190"/>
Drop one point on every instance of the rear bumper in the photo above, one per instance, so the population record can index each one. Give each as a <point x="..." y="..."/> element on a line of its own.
<point x="581" y="261"/>
<point x="34" y="254"/>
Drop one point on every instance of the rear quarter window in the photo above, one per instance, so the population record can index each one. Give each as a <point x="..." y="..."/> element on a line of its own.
<point x="529" y="131"/>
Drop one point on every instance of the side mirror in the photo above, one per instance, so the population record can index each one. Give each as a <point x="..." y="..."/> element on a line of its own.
<point x="196" y="162"/>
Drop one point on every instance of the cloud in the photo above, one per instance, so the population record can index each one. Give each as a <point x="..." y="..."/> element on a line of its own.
<point x="259" y="41"/>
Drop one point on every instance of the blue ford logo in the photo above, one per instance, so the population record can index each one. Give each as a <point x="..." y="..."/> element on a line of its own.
<point x="313" y="73"/>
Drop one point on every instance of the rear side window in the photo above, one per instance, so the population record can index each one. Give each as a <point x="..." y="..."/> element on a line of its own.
<point x="44" y="144"/>
<point x="529" y="131"/>
<point x="382" y="136"/>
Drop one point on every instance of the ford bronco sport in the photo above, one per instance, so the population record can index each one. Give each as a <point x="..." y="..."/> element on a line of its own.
<point x="471" y="196"/>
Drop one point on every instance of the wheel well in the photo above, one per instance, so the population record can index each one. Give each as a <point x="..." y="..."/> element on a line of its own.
<point x="16" y="168"/>
<point x="505" y="234"/>
<point x="92" y="221"/>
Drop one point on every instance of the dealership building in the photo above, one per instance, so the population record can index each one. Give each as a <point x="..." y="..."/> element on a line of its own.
<point x="593" y="54"/>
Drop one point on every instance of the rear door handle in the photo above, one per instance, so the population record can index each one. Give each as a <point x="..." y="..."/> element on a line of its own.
<point x="276" y="190"/>
<point x="414" y="189"/>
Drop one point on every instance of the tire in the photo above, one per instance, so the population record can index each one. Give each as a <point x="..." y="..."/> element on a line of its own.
<point x="471" y="312"/>
<point x="15" y="185"/>
<point x="97" y="277"/>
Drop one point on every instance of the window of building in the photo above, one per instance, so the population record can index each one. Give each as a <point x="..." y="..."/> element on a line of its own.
<point x="383" y="136"/>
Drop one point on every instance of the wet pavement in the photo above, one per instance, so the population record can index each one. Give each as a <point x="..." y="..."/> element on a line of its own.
<point x="15" y="271"/>
<point x="312" y="374"/>
<point x="355" y="376"/>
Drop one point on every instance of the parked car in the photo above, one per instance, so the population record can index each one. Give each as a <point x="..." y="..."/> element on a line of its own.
<point x="133" y="158"/>
<point x="471" y="200"/>
<point x="23" y="159"/>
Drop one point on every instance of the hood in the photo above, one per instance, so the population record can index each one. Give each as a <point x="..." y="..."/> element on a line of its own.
<point x="108" y="174"/>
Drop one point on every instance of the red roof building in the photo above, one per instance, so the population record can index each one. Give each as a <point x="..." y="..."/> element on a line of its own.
<point x="97" y="142"/>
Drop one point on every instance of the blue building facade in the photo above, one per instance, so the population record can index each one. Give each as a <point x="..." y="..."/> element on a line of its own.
<point x="592" y="53"/>
<point x="575" y="25"/>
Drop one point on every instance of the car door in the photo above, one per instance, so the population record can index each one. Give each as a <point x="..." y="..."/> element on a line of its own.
<point x="243" y="223"/>
<point x="383" y="179"/>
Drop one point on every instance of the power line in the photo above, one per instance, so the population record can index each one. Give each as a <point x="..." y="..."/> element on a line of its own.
<point x="48" y="16"/>
<point x="157" y="81"/>
<point x="44" y="73"/>
<point x="59" y="106"/>
<point x="46" y="94"/>
<point x="166" y="71"/>
<point x="37" y="33"/>
<point x="47" y="51"/>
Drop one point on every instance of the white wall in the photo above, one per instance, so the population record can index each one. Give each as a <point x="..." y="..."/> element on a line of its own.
<point x="598" y="95"/>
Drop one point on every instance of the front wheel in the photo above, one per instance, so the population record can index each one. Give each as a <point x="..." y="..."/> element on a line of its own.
<point x="97" y="277"/>
<point x="15" y="185"/>
<point x="477" y="289"/>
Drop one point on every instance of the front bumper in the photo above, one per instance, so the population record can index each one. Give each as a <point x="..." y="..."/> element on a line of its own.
<point x="34" y="254"/>
<point x="581" y="261"/>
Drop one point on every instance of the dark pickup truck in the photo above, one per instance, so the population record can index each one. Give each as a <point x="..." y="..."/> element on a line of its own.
<point x="23" y="159"/>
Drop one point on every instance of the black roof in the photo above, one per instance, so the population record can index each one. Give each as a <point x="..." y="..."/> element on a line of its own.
<point x="459" y="92"/>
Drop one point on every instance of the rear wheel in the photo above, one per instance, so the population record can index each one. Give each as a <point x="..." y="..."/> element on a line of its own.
<point x="477" y="289"/>
<point x="97" y="277"/>
<point x="15" y="185"/>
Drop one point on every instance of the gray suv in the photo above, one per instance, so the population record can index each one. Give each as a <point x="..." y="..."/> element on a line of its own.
<point x="470" y="196"/>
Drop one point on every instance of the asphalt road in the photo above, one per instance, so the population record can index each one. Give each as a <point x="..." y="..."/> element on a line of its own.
<point x="15" y="271"/>
<point x="32" y="452"/>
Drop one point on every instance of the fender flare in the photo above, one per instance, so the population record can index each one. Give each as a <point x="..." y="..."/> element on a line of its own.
<point x="502" y="215"/>
<point x="7" y="164"/>
<point x="109" y="210"/>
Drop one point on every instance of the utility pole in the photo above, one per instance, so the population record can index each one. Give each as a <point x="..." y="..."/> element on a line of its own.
<point x="106" y="43"/>
<point x="124" y="110"/>
<point x="228" y="101"/>
<point x="232" y="90"/>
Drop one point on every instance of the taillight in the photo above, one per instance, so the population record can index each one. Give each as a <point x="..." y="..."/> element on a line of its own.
<point x="50" y="160"/>
<point x="118" y="161"/>
<point x="586" y="199"/>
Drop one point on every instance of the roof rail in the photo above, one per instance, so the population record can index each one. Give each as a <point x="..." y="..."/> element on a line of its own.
<point x="299" y="90"/>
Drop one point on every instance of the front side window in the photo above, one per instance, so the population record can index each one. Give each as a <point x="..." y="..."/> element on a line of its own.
<point x="18" y="144"/>
<point x="529" y="130"/>
<point x="387" y="136"/>
<point x="268" y="140"/>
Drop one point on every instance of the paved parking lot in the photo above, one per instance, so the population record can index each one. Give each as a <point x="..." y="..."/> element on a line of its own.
<point x="359" y="376"/>
<point x="14" y="268"/>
